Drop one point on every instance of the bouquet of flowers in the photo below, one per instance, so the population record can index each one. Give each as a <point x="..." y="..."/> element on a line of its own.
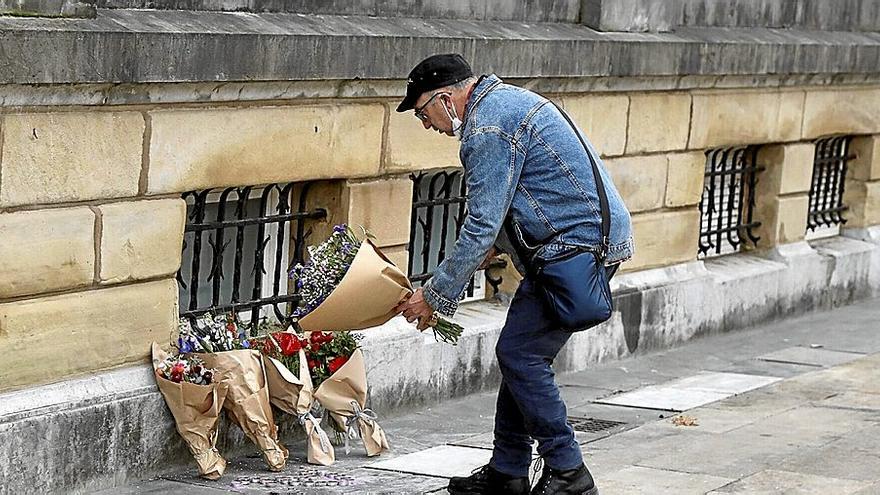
<point x="343" y="269"/>
<point x="217" y="341"/>
<point x="291" y="390"/>
<point x="195" y="400"/>
<point x="344" y="391"/>
<point x="210" y="333"/>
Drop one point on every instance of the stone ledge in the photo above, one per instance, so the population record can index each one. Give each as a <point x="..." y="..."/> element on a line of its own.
<point x="656" y="309"/>
<point x="179" y="46"/>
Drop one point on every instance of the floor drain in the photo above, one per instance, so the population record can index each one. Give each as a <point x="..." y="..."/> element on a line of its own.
<point x="593" y="425"/>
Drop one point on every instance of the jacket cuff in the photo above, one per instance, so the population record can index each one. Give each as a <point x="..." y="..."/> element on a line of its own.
<point x="441" y="304"/>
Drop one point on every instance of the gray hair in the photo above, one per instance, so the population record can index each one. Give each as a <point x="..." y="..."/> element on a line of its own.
<point x="463" y="84"/>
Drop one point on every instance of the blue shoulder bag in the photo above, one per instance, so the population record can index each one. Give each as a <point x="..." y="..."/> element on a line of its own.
<point x="575" y="284"/>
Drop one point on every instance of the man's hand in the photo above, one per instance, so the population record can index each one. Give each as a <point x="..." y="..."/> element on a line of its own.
<point x="489" y="256"/>
<point x="416" y="308"/>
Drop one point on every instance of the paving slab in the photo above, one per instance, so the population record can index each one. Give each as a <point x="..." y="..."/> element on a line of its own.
<point x="710" y="420"/>
<point x="444" y="460"/>
<point x="819" y="357"/>
<point x="162" y="487"/>
<point x="575" y="395"/>
<point x="849" y="399"/>
<point x="754" y="366"/>
<point x="771" y="482"/>
<point x="689" y="392"/>
<point x="729" y="383"/>
<point x="624" y="376"/>
<point x="637" y="480"/>
<point x="854" y="456"/>
<point x="665" y="398"/>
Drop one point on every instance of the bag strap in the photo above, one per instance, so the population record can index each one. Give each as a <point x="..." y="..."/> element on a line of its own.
<point x="600" y="186"/>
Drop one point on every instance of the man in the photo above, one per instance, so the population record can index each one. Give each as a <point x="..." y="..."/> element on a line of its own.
<point x="531" y="186"/>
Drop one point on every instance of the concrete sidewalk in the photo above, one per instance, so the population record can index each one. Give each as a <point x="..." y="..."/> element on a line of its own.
<point x="792" y="407"/>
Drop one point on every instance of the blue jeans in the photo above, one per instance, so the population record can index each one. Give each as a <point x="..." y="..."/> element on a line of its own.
<point x="529" y="406"/>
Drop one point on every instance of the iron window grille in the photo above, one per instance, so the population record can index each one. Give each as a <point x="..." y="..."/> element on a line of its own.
<point x="826" y="205"/>
<point x="439" y="208"/>
<point x="238" y="244"/>
<point x="728" y="202"/>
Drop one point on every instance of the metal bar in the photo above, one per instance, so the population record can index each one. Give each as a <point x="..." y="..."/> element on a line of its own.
<point x="413" y="220"/>
<point x="198" y="217"/>
<point x="438" y="202"/>
<point x="723" y="230"/>
<point x="750" y="206"/>
<point x="217" y="253"/>
<point x="240" y="212"/>
<point x="241" y="307"/>
<point x="724" y="160"/>
<point x="317" y="213"/>
<point x="259" y="255"/>
<point x="734" y="203"/>
<point x="446" y="191"/>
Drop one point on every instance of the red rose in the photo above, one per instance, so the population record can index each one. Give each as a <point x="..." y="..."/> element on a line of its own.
<point x="315" y="347"/>
<point x="313" y="364"/>
<point x="327" y="337"/>
<point x="315" y="337"/>
<point x="337" y="363"/>
<point x="288" y="342"/>
<point x="230" y="327"/>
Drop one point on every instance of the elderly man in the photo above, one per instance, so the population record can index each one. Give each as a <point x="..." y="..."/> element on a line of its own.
<point x="531" y="188"/>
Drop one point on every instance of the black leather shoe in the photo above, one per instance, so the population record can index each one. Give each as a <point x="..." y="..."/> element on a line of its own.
<point x="487" y="481"/>
<point x="572" y="482"/>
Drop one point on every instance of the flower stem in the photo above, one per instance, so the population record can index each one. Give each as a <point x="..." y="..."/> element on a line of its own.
<point x="446" y="331"/>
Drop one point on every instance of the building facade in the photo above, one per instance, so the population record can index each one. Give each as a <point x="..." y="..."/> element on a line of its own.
<point x="161" y="158"/>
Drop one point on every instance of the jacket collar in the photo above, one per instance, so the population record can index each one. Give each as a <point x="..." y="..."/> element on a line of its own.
<point x="485" y="84"/>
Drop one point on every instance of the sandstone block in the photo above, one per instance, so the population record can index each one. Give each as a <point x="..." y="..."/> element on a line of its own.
<point x="684" y="181"/>
<point x="196" y="149"/>
<point x="853" y="111"/>
<point x="658" y="122"/>
<point x="664" y="238"/>
<point x="46" y="250"/>
<point x="788" y="168"/>
<point x="641" y="180"/>
<point x="399" y="256"/>
<point x="603" y="118"/>
<point x="783" y="219"/>
<point x="383" y="207"/>
<point x="52" y="338"/>
<point x="412" y="147"/>
<point x="141" y="239"/>
<point x="866" y="165"/>
<point x="863" y="200"/>
<point x="738" y="118"/>
<point x="77" y="156"/>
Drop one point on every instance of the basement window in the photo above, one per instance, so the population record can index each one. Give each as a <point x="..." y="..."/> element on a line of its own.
<point x="727" y="206"/>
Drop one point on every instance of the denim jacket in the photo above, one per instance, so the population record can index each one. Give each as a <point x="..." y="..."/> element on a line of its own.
<point x="521" y="157"/>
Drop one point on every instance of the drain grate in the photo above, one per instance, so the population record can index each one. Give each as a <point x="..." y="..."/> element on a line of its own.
<point x="303" y="478"/>
<point x="593" y="425"/>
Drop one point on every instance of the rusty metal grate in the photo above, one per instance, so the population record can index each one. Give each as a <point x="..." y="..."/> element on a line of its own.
<point x="593" y="425"/>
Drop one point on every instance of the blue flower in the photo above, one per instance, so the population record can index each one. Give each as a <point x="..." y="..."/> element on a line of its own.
<point x="339" y="228"/>
<point x="245" y="344"/>
<point x="184" y="345"/>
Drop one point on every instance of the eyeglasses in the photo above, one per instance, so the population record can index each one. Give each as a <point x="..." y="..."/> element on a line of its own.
<point x="420" y="111"/>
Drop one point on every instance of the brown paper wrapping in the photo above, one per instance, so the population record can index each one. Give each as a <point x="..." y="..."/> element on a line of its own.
<point x="247" y="400"/>
<point x="196" y="411"/>
<point x="295" y="396"/>
<point x="365" y="297"/>
<point x="344" y="395"/>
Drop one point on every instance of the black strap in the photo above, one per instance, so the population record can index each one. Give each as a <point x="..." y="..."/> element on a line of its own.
<point x="600" y="186"/>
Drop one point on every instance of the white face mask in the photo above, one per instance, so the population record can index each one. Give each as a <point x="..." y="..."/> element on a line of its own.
<point x="454" y="120"/>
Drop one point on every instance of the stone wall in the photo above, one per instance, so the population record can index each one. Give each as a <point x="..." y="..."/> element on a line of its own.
<point x="92" y="220"/>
